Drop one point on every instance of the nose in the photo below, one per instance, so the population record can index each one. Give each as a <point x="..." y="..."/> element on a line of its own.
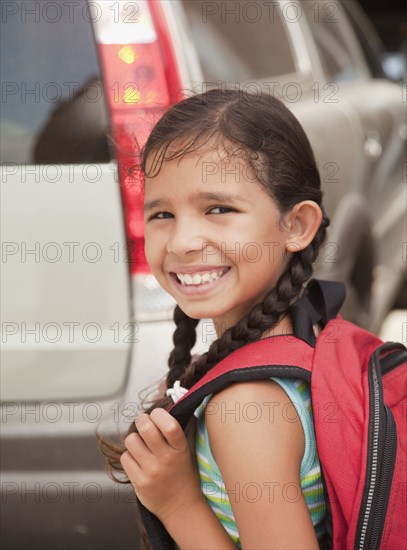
<point x="185" y="237"/>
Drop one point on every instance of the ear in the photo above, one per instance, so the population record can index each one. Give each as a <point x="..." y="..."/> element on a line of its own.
<point x="302" y="223"/>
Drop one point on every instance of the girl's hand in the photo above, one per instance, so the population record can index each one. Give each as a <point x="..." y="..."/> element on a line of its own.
<point x="159" y="464"/>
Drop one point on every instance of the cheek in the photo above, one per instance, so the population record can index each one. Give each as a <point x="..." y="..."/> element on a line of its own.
<point x="264" y="264"/>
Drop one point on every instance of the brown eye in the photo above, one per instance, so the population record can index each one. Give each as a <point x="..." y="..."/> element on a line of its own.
<point x="160" y="216"/>
<point x="224" y="210"/>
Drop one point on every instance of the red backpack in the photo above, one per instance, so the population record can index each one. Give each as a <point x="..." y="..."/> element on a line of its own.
<point x="359" y="400"/>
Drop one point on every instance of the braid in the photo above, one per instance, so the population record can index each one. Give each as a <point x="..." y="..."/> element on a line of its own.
<point x="264" y="315"/>
<point x="184" y="339"/>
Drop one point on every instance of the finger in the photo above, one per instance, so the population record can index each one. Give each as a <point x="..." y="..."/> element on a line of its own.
<point x="169" y="428"/>
<point x="150" y="433"/>
<point x="131" y="467"/>
<point x="137" y="448"/>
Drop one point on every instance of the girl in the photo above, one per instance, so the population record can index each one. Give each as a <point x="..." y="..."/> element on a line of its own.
<point x="234" y="223"/>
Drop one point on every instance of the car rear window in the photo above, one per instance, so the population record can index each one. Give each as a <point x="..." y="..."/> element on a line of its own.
<point x="53" y="108"/>
<point x="239" y="41"/>
<point x="337" y="54"/>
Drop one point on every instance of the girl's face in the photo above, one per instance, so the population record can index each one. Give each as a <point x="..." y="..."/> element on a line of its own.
<point x="212" y="236"/>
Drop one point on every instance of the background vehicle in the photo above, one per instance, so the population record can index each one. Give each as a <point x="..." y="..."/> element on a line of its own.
<point x="390" y="21"/>
<point x="85" y="327"/>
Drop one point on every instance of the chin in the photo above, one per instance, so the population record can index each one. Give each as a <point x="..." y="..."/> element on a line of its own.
<point x="200" y="313"/>
<point x="194" y="314"/>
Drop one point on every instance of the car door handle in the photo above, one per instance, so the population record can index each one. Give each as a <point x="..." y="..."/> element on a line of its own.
<point x="373" y="146"/>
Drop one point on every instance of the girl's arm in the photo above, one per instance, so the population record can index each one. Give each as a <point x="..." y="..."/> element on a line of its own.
<point x="258" y="442"/>
<point x="197" y="527"/>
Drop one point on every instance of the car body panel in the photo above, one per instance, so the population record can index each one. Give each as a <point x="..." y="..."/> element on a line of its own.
<point x="64" y="258"/>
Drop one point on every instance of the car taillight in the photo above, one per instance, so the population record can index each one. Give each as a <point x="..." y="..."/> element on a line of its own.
<point x="141" y="81"/>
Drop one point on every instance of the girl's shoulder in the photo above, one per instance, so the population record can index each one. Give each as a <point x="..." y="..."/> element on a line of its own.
<point x="255" y="415"/>
<point x="256" y="395"/>
<point x="251" y="393"/>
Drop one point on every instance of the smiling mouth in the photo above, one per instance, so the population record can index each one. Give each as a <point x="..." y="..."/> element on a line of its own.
<point x="199" y="279"/>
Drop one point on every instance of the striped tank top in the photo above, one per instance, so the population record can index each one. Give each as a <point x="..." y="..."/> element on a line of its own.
<point x="212" y="484"/>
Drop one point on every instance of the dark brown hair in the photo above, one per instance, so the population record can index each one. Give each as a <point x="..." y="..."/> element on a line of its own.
<point x="270" y="139"/>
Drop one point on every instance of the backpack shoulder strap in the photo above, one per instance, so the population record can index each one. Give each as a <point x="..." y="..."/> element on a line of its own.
<point x="284" y="356"/>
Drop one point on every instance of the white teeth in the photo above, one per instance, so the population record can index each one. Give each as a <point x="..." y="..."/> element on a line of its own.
<point x="196" y="279"/>
<point x="188" y="280"/>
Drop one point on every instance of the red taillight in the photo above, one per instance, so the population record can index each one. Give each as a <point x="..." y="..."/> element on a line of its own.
<point x="141" y="81"/>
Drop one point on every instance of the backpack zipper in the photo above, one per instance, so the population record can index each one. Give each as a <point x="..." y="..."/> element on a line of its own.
<point x="382" y="447"/>
<point x="383" y="491"/>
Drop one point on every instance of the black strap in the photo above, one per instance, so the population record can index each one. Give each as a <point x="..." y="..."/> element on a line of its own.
<point x="320" y="303"/>
<point x="158" y="536"/>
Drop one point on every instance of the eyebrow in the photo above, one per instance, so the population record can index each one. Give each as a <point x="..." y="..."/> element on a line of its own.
<point x="201" y="196"/>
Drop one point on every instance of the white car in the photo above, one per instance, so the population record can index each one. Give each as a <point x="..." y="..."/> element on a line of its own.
<point x="85" y="326"/>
